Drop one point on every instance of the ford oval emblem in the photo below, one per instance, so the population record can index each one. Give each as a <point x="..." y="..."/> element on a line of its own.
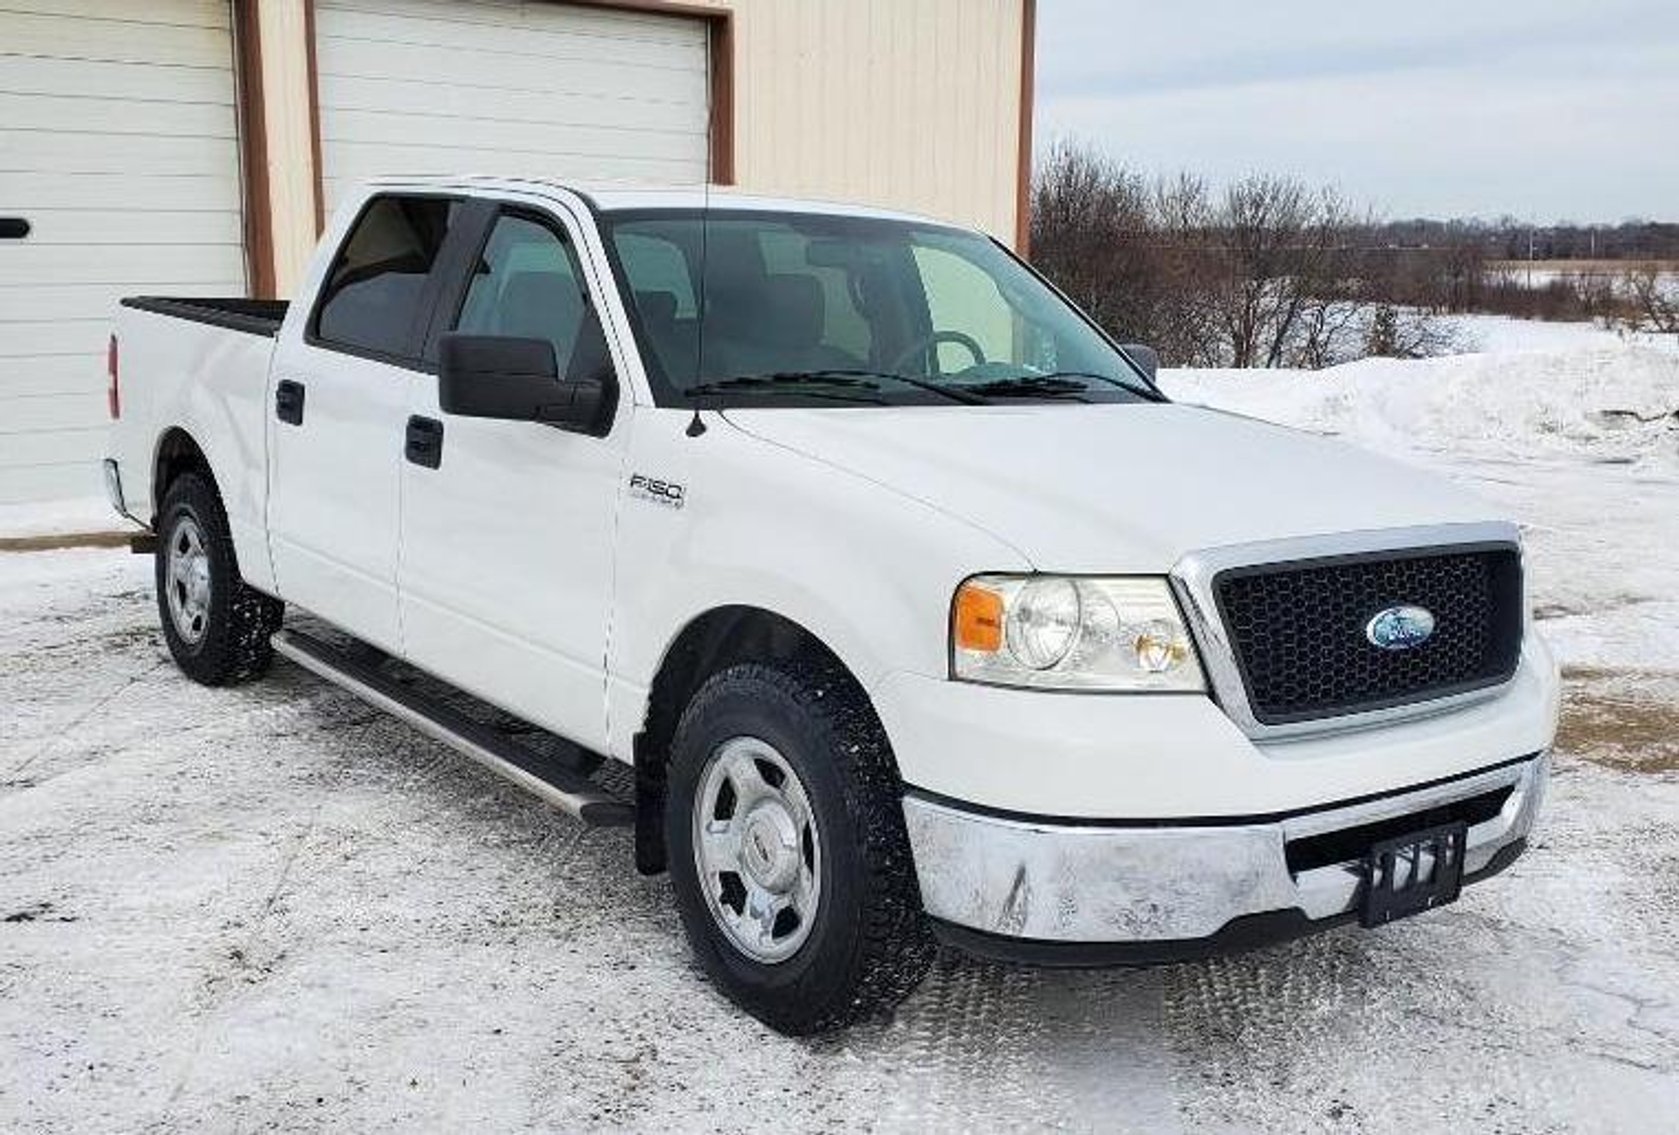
<point x="1400" y="628"/>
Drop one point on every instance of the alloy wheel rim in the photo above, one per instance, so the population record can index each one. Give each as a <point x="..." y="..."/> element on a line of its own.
<point x="187" y="580"/>
<point x="757" y="850"/>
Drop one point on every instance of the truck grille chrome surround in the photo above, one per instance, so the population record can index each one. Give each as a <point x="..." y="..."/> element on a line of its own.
<point x="1284" y="626"/>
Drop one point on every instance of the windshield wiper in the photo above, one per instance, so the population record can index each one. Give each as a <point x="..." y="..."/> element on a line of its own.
<point x="793" y="382"/>
<point x="1030" y="386"/>
<point x="842" y="377"/>
<point x="1148" y="392"/>
<point x="954" y="393"/>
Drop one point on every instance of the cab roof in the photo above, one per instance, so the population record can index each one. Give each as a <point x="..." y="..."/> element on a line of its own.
<point x="609" y="197"/>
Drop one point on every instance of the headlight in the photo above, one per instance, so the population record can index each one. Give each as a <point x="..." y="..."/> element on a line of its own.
<point x="1072" y="633"/>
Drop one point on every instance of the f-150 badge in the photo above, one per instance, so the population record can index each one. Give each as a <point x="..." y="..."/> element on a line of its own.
<point x="667" y="493"/>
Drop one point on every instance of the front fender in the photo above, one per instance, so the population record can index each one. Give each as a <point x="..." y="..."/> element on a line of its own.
<point x="867" y="570"/>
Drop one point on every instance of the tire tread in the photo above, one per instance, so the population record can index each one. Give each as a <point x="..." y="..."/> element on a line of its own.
<point x="893" y="947"/>
<point x="236" y="646"/>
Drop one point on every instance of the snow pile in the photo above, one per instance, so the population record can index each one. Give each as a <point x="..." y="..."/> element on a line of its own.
<point x="1606" y="402"/>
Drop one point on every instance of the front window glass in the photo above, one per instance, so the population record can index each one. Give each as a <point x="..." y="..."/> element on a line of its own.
<point x="778" y="307"/>
<point x="525" y="286"/>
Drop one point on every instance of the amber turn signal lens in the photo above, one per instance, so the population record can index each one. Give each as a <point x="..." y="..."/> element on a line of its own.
<point x="978" y="619"/>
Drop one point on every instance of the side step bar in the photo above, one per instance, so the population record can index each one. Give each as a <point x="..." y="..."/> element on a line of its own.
<point x="569" y="791"/>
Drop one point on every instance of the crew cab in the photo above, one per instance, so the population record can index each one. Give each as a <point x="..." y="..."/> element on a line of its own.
<point x="834" y="552"/>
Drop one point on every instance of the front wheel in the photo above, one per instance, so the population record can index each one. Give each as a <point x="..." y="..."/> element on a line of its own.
<point x="217" y="626"/>
<point x="788" y="854"/>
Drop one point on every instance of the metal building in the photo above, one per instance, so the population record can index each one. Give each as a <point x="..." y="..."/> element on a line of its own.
<point x="195" y="146"/>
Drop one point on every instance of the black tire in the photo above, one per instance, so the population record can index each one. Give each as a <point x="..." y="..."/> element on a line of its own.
<point x="868" y="945"/>
<point x="228" y="642"/>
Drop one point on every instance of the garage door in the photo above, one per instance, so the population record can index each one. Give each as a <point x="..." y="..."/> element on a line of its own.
<point x="530" y="89"/>
<point x="118" y="148"/>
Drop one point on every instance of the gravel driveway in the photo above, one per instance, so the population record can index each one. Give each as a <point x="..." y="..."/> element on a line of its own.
<point x="271" y="907"/>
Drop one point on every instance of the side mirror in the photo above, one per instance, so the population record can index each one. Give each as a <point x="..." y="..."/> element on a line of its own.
<point x="518" y="380"/>
<point x="1144" y="356"/>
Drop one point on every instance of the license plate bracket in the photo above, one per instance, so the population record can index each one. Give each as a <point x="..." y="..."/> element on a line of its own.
<point x="1413" y="873"/>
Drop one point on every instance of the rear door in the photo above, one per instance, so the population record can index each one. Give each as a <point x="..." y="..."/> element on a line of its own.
<point x="339" y="404"/>
<point x="506" y="574"/>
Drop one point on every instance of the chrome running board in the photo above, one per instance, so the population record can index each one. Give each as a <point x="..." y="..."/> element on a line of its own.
<point x="563" y="788"/>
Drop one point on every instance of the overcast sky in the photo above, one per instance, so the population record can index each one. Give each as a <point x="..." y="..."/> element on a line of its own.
<point x="1544" y="109"/>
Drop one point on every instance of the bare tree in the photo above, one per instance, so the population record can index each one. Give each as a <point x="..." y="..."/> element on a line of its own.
<point x="1267" y="273"/>
<point x="1281" y="270"/>
<point x="1185" y="315"/>
<point x="1406" y="333"/>
<point x="1653" y="300"/>
<point x="1090" y="232"/>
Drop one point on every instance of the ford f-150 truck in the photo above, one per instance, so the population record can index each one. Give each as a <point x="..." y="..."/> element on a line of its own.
<point x="915" y="610"/>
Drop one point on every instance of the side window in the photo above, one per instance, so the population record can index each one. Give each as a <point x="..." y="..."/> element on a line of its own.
<point x="527" y="285"/>
<point x="372" y="295"/>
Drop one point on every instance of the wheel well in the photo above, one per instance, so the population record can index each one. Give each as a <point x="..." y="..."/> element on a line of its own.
<point x="177" y="453"/>
<point x="714" y="641"/>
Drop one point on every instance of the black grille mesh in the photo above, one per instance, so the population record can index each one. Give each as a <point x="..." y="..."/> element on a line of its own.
<point x="1298" y="629"/>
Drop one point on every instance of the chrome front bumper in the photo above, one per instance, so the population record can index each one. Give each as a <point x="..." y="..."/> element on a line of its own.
<point x="1069" y="884"/>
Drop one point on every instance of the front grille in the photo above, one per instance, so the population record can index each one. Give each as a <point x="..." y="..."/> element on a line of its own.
<point x="1298" y="629"/>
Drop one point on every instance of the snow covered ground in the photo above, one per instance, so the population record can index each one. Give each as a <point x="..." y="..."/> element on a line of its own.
<point x="1504" y="333"/>
<point x="272" y="907"/>
<point x="60" y="518"/>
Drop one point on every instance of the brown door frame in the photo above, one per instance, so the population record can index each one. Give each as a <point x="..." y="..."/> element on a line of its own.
<point x="1028" y="87"/>
<point x="256" y="197"/>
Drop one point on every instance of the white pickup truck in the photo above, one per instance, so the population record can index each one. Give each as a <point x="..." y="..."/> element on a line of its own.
<point x="915" y="608"/>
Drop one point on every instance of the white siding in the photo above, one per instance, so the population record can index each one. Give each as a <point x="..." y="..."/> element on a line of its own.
<point x="118" y="144"/>
<point x="453" y="86"/>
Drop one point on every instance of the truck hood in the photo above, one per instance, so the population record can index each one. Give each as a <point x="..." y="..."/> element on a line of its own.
<point x="1117" y="488"/>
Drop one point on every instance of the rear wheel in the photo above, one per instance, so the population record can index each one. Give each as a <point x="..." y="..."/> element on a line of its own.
<point x="217" y="626"/>
<point x="788" y="854"/>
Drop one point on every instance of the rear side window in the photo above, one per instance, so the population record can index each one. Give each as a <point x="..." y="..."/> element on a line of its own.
<point x="372" y="297"/>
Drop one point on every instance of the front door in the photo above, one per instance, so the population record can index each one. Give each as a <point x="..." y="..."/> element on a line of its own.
<point x="506" y="569"/>
<point x="338" y="408"/>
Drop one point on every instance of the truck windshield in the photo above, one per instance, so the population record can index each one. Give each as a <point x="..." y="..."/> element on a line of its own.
<point x="775" y="308"/>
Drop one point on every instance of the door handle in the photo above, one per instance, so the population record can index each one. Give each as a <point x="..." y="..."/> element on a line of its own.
<point x="424" y="444"/>
<point x="14" y="228"/>
<point x="288" y="402"/>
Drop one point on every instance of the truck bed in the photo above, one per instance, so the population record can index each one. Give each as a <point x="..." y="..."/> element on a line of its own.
<point x="256" y="317"/>
<point x="199" y="365"/>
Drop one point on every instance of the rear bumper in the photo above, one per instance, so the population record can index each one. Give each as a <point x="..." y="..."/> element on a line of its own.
<point x="1084" y="892"/>
<point x="114" y="490"/>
